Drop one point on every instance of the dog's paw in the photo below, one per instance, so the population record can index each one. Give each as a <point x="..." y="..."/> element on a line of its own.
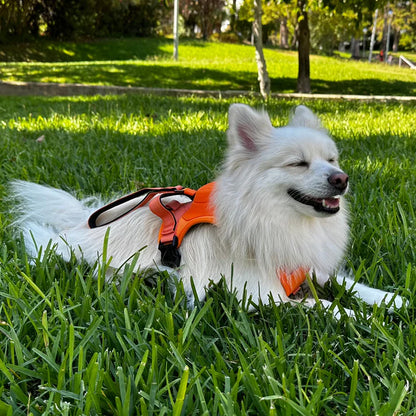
<point x="338" y="312"/>
<point x="330" y="308"/>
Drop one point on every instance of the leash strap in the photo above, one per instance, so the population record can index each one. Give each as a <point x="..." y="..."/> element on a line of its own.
<point x="114" y="210"/>
<point x="169" y="212"/>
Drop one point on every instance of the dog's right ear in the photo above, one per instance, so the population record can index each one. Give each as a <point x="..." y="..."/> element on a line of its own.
<point x="302" y="116"/>
<point x="248" y="128"/>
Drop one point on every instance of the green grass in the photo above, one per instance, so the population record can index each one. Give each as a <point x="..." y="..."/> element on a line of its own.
<point x="71" y="345"/>
<point x="202" y="65"/>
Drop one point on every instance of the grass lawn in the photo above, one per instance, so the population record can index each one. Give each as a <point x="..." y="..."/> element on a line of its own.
<point x="201" y="65"/>
<point x="70" y="345"/>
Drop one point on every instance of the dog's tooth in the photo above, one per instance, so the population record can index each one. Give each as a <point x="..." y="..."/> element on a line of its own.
<point x="326" y="203"/>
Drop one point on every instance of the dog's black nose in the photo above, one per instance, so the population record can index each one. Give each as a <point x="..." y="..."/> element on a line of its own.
<point x="339" y="180"/>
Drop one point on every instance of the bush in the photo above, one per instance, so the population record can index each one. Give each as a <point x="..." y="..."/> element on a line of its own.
<point x="72" y="19"/>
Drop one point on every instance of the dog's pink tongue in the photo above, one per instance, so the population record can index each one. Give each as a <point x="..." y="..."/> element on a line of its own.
<point x="331" y="202"/>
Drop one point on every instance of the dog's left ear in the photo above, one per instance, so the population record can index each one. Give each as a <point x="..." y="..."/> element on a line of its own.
<point x="302" y="116"/>
<point x="247" y="127"/>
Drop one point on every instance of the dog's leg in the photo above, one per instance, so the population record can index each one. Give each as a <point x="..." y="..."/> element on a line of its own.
<point x="336" y="312"/>
<point x="370" y="295"/>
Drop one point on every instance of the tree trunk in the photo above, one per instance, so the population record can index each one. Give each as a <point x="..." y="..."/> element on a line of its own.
<point x="385" y="29"/>
<point x="396" y="40"/>
<point x="284" y="33"/>
<point x="263" y="75"/>
<point x="355" y="48"/>
<point x="233" y="17"/>
<point x="373" y="36"/>
<point x="303" y="35"/>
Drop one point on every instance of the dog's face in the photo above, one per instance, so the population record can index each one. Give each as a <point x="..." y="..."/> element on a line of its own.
<point x="307" y="161"/>
<point x="298" y="163"/>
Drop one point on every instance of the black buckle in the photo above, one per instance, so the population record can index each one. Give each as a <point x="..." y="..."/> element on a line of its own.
<point x="170" y="255"/>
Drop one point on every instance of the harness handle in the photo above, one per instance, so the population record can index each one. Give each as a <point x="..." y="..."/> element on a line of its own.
<point x="112" y="211"/>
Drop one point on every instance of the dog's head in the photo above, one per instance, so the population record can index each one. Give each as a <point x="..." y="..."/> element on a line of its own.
<point x="297" y="163"/>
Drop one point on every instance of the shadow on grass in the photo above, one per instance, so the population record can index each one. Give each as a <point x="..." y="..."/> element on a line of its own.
<point x="153" y="74"/>
<point x="364" y="87"/>
<point x="135" y="74"/>
<point x="98" y="50"/>
<point x="352" y="87"/>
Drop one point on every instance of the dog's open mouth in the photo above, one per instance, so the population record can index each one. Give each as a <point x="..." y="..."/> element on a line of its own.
<point x="328" y="205"/>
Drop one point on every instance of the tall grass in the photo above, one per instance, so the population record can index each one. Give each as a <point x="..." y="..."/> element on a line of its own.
<point x="201" y="65"/>
<point x="71" y="344"/>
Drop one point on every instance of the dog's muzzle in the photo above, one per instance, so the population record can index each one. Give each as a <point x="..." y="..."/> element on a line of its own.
<point x="329" y="204"/>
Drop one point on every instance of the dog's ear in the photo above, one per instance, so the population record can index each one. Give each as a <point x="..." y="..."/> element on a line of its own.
<point x="248" y="127"/>
<point x="303" y="117"/>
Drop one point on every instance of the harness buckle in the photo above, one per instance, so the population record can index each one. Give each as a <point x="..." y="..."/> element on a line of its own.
<point x="170" y="255"/>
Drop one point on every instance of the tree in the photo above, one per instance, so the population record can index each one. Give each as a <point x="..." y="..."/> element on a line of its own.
<point x="280" y="16"/>
<point x="303" y="36"/>
<point x="68" y="19"/>
<point x="206" y="14"/>
<point x="359" y="14"/>
<point x="403" y="25"/>
<point x="233" y="16"/>
<point x="330" y="28"/>
<point x="19" y="19"/>
<point x="263" y="75"/>
<point x="189" y="15"/>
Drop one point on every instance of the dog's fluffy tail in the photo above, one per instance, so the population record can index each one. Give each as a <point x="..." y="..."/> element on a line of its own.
<point x="42" y="212"/>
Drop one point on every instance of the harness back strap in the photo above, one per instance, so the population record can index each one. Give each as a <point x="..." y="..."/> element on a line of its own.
<point x="200" y="211"/>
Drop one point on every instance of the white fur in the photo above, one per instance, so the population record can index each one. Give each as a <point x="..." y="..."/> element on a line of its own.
<point x="260" y="228"/>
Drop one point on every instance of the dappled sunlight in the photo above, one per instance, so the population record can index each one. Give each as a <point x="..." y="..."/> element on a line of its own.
<point x="134" y="121"/>
<point x="355" y="120"/>
<point x="147" y="74"/>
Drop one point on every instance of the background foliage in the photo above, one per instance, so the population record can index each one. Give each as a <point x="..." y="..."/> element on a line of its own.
<point x="332" y="24"/>
<point x="70" y="19"/>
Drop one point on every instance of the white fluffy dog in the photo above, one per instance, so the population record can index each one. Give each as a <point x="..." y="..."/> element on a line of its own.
<point x="278" y="205"/>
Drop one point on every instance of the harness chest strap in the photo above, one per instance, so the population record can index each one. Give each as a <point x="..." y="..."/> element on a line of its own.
<point x="291" y="282"/>
<point x="178" y="218"/>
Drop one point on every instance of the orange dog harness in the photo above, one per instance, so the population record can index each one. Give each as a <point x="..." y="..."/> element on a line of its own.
<point x="177" y="219"/>
<point x="291" y="282"/>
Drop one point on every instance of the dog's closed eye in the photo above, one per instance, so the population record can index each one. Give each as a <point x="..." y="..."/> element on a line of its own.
<point x="299" y="164"/>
